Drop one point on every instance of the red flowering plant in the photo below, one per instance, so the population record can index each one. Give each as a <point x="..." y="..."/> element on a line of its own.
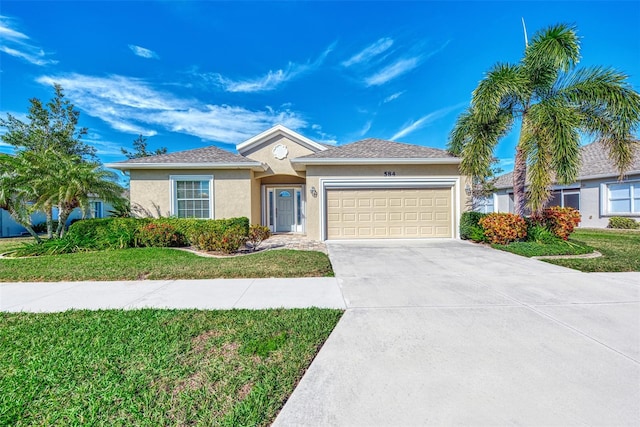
<point x="503" y="228"/>
<point x="561" y="221"/>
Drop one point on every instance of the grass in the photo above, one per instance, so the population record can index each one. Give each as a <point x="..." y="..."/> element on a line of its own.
<point x="163" y="263"/>
<point x="10" y="243"/>
<point x="530" y="249"/>
<point x="620" y="250"/>
<point x="155" y="367"/>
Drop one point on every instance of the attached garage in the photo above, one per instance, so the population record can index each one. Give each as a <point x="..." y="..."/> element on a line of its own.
<point x="384" y="213"/>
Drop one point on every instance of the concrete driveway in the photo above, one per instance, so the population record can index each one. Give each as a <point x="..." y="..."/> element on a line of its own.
<point x="446" y="332"/>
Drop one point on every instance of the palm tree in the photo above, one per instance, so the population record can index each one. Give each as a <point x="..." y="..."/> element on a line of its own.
<point x="16" y="192"/>
<point x="555" y="104"/>
<point x="71" y="183"/>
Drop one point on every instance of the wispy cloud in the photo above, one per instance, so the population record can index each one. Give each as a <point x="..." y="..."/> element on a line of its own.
<point x="425" y="120"/>
<point x="392" y="71"/>
<point x="366" y="128"/>
<point x="323" y="137"/>
<point x="134" y="106"/>
<point x="19" y="45"/>
<point x="143" y="52"/>
<point x="369" y="52"/>
<point x="393" y="96"/>
<point x="270" y="81"/>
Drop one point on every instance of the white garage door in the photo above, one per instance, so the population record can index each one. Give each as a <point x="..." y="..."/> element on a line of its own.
<point x="389" y="213"/>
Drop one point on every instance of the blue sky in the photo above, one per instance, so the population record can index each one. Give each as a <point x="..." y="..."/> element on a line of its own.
<point x="192" y="74"/>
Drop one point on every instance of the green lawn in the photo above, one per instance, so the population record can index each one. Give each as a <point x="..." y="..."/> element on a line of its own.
<point x="155" y="367"/>
<point x="162" y="263"/>
<point x="530" y="249"/>
<point x="620" y="250"/>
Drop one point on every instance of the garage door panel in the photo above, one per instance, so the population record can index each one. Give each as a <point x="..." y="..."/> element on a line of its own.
<point x="389" y="213"/>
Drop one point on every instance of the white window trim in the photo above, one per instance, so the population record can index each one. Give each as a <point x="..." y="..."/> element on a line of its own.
<point x="604" y="198"/>
<point x="564" y="191"/>
<point x="101" y="213"/>
<point x="173" y="179"/>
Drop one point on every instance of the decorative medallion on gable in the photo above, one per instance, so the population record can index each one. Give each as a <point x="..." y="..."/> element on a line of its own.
<point x="280" y="151"/>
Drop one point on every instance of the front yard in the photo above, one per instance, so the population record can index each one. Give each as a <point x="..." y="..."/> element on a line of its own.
<point x="155" y="367"/>
<point x="159" y="263"/>
<point x="620" y="250"/>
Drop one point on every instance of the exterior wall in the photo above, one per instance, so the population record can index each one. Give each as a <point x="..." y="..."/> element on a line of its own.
<point x="590" y="202"/>
<point x="10" y="228"/>
<point x="263" y="153"/>
<point x="256" y="202"/>
<point x="150" y="190"/>
<point x="314" y="219"/>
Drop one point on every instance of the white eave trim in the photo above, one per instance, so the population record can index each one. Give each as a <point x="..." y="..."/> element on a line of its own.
<point x="630" y="175"/>
<point x="278" y="130"/>
<point x="256" y="166"/>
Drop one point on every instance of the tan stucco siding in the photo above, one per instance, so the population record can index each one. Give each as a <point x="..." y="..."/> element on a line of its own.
<point x="315" y="173"/>
<point x="264" y="153"/>
<point x="232" y="191"/>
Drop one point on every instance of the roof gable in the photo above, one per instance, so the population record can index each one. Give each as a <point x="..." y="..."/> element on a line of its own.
<point x="199" y="157"/>
<point x="374" y="149"/>
<point x="278" y="130"/>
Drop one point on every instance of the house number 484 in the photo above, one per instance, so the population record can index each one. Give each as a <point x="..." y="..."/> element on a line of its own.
<point x="389" y="173"/>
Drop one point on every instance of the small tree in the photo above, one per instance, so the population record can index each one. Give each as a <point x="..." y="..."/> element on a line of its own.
<point x="140" y="149"/>
<point x="16" y="192"/>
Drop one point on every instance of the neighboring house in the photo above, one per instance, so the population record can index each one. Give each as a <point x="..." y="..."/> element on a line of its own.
<point x="10" y="228"/>
<point x="597" y="194"/>
<point x="368" y="189"/>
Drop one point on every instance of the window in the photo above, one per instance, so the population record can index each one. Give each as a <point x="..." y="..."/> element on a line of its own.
<point x="192" y="196"/>
<point x="95" y="209"/>
<point x="484" y="204"/>
<point x="623" y="198"/>
<point x="565" y="199"/>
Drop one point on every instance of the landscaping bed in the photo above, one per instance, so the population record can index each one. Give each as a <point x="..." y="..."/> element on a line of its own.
<point x="155" y="367"/>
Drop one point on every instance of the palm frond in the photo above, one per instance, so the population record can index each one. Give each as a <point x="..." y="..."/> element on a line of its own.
<point x="504" y="85"/>
<point x="557" y="47"/>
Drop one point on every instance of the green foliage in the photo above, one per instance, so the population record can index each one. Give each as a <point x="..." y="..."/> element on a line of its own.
<point x="120" y="209"/>
<point x="263" y="347"/>
<point x="556" y="247"/>
<point x="555" y="103"/>
<point x="503" y="228"/>
<point x="107" y="233"/>
<point x="624" y="223"/>
<point x="257" y="234"/>
<point x="159" y="235"/>
<point x="161" y="264"/>
<point x="49" y="247"/>
<point x="41" y="227"/>
<point x="476" y="234"/>
<point x="561" y="221"/>
<point x="227" y="240"/>
<point x="153" y="367"/>
<point x="541" y="234"/>
<point x="469" y="220"/>
<point x="140" y="149"/>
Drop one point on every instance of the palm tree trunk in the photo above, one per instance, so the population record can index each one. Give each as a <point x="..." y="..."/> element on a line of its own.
<point x="49" y="212"/>
<point x="519" y="182"/>
<point x="63" y="214"/>
<point x="27" y="225"/>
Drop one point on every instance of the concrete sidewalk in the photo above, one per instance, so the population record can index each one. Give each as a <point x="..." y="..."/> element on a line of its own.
<point x="197" y="294"/>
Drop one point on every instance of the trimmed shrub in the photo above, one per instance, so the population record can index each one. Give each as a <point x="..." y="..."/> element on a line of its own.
<point x="469" y="224"/>
<point x="107" y="233"/>
<point x="257" y="233"/>
<point x="476" y="234"/>
<point x="159" y="234"/>
<point x="623" y="223"/>
<point x="503" y="228"/>
<point x="561" y="221"/>
<point x="232" y="239"/>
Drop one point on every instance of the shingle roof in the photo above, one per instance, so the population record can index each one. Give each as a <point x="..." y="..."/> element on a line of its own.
<point x="373" y="148"/>
<point x="595" y="162"/>
<point x="209" y="154"/>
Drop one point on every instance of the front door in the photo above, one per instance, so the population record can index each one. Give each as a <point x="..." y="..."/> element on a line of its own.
<point x="285" y="220"/>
